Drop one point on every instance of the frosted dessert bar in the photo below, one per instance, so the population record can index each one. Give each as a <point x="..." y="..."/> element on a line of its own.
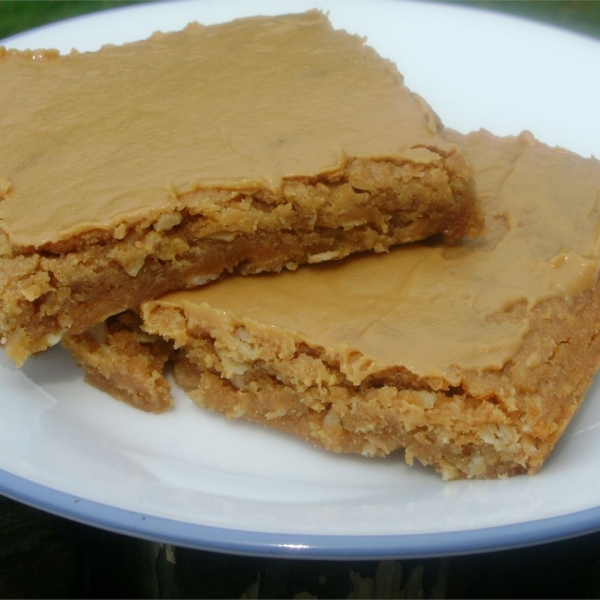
<point x="473" y="358"/>
<point x="250" y="146"/>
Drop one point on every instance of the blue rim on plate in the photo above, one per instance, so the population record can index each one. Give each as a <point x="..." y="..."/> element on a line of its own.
<point x="233" y="541"/>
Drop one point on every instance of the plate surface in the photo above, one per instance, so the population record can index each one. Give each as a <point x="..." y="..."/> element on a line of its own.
<point x="193" y="478"/>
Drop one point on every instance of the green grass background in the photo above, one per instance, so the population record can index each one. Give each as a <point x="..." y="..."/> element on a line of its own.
<point x="579" y="15"/>
<point x="20" y="15"/>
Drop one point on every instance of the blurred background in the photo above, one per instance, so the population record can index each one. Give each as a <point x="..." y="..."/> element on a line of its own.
<point x="44" y="556"/>
<point x="582" y="16"/>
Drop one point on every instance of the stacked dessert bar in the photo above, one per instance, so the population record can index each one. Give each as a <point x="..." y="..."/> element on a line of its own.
<point x="464" y="328"/>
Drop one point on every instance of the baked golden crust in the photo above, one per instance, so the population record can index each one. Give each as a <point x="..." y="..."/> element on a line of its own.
<point x="313" y="181"/>
<point x="124" y="362"/>
<point x="495" y="424"/>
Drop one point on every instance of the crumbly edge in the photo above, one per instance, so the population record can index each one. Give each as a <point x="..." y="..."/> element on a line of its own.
<point x="371" y="205"/>
<point x="494" y="424"/>
<point x="126" y="363"/>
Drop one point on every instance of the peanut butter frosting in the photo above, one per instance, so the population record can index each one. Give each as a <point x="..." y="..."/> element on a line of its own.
<point x="129" y="132"/>
<point x="433" y="309"/>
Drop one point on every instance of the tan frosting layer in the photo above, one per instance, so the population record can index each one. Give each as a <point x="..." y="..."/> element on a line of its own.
<point x="435" y="309"/>
<point x="121" y="134"/>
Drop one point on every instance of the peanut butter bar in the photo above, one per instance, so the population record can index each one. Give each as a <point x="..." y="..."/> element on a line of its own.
<point x="473" y="358"/>
<point x="249" y="146"/>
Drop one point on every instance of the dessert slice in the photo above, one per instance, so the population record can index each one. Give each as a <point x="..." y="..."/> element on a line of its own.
<point x="472" y="358"/>
<point x="248" y="146"/>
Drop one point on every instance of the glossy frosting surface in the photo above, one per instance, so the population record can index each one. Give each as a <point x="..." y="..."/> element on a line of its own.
<point x="431" y="308"/>
<point x="90" y="140"/>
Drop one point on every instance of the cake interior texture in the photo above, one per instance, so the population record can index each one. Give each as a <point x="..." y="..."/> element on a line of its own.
<point x="471" y="358"/>
<point x="249" y="146"/>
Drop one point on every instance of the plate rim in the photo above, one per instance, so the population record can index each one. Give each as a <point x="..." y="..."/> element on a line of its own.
<point x="292" y="545"/>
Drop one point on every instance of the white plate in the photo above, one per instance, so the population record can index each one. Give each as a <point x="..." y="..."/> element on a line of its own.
<point x="191" y="477"/>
